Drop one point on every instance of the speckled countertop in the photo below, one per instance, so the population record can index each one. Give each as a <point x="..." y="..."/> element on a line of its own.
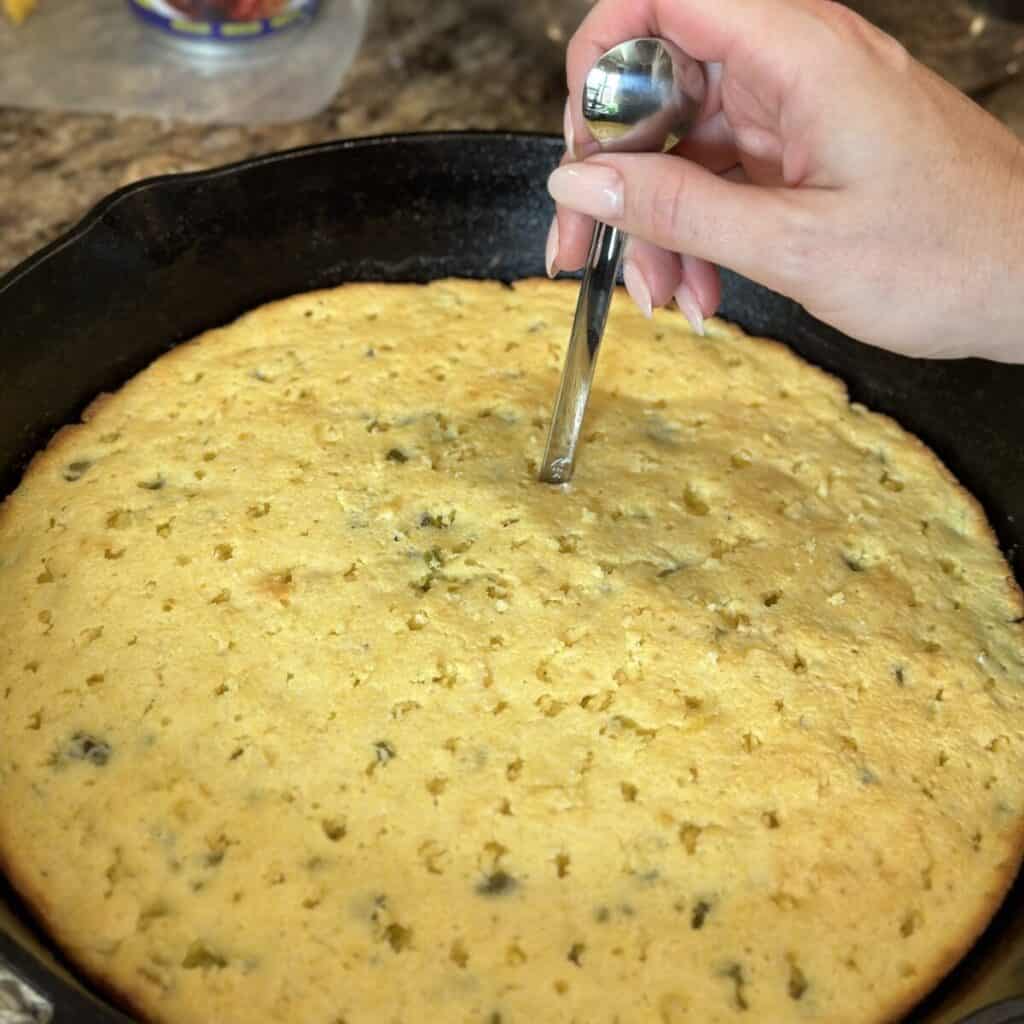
<point x="448" y="64"/>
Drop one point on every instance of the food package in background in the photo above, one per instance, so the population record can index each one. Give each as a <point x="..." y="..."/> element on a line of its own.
<point x="18" y="10"/>
<point x="95" y="56"/>
<point x="220" y="24"/>
<point x="228" y="10"/>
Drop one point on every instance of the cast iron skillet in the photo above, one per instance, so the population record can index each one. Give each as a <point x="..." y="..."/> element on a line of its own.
<point x="160" y="261"/>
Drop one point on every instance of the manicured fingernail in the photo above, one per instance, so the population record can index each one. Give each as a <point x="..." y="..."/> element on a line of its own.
<point x="569" y="132"/>
<point x="690" y="308"/>
<point x="588" y="188"/>
<point x="551" y="249"/>
<point x="637" y="288"/>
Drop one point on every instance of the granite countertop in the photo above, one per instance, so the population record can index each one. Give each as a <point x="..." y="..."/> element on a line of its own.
<point x="458" y="64"/>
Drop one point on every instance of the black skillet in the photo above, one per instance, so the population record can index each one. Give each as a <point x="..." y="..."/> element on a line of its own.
<point x="160" y="261"/>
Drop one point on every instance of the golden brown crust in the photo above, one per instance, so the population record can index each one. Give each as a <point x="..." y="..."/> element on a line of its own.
<point x="602" y="674"/>
<point x="34" y="900"/>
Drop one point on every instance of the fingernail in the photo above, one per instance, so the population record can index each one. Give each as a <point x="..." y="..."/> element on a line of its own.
<point x="588" y="188"/>
<point x="637" y="288"/>
<point x="689" y="307"/>
<point x="551" y="249"/>
<point x="569" y="132"/>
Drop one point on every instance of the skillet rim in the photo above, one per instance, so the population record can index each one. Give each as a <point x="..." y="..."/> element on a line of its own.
<point x="90" y="219"/>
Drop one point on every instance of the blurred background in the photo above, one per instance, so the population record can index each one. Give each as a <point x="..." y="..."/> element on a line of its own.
<point x="441" y="65"/>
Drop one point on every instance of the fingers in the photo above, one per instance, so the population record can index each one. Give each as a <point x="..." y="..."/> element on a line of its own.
<point x="682" y="207"/>
<point x="568" y="239"/>
<point x="651" y="275"/>
<point x="708" y="32"/>
<point x="575" y="148"/>
<point x="705" y="31"/>
<point x="655" y="277"/>
<point x="711" y="144"/>
<point x="699" y="292"/>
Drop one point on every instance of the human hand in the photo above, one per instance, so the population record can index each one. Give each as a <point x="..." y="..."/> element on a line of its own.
<point x="826" y="164"/>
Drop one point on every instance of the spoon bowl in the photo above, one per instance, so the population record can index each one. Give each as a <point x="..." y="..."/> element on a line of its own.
<point x="643" y="96"/>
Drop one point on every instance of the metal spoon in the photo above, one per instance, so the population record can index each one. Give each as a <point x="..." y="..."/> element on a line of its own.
<point x="641" y="96"/>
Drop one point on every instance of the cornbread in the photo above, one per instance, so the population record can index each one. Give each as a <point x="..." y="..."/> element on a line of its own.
<point x="318" y="708"/>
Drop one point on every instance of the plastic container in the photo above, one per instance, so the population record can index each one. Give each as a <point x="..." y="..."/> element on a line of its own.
<point x="227" y="28"/>
<point x="97" y="56"/>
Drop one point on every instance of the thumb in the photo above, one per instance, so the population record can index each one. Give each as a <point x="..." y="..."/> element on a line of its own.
<point x="685" y="208"/>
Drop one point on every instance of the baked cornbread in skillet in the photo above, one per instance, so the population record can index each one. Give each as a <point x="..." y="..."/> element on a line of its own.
<point x="317" y="707"/>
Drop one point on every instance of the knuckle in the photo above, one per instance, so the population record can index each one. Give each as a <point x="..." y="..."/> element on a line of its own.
<point x="848" y="28"/>
<point x="800" y="245"/>
<point x="668" y="210"/>
<point x="893" y="53"/>
<point x="844" y="22"/>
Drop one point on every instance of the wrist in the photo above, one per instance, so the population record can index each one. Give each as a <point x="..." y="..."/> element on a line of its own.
<point x="1004" y="303"/>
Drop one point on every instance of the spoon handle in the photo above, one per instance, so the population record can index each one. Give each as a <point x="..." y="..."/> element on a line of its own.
<point x="599" y="276"/>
